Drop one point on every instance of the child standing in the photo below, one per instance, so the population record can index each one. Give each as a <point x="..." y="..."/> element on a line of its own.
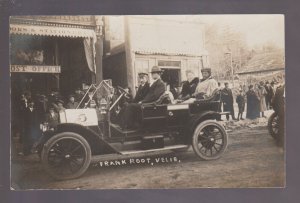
<point x="240" y="100"/>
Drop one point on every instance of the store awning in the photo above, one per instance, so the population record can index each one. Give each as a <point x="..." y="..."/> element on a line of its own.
<point x="43" y="30"/>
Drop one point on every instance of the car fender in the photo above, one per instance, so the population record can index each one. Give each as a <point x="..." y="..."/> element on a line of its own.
<point x="198" y="118"/>
<point x="97" y="143"/>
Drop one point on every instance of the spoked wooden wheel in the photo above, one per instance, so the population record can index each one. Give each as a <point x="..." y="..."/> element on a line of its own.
<point x="66" y="156"/>
<point x="209" y="140"/>
<point x="273" y="125"/>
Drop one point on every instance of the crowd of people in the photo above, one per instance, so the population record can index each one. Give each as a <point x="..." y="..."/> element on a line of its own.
<point x="33" y="110"/>
<point x="41" y="109"/>
<point x="258" y="97"/>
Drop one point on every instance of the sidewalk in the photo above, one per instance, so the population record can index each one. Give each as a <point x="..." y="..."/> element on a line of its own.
<point x="247" y="123"/>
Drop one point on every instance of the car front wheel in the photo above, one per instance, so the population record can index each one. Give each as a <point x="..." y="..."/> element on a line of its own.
<point x="66" y="156"/>
<point x="209" y="140"/>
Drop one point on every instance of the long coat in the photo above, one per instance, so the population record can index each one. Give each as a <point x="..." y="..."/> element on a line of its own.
<point x="252" y="105"/>
<point x="31" y="129"/>
<point x="262" y="99"/>
<point x="155" y="91"/>
<point x="141" y="92"/>
<point x="227" y="99"/>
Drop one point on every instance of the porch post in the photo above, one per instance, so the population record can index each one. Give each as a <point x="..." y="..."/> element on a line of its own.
<point x="99" y="49"/>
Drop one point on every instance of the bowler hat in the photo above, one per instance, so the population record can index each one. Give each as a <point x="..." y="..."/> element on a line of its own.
<point x="156" y="69"/>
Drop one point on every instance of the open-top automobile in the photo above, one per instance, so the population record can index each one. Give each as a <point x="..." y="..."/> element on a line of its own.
<point x="86" y="133"/>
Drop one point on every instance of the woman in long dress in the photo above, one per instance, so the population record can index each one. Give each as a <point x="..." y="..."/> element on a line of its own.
<point x="252" y="104"/>
<point x="262" y="98"/>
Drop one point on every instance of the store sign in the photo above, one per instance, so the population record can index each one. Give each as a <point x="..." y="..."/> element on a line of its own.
<point x="34" y="69"/>
<point x="50" y="31"/>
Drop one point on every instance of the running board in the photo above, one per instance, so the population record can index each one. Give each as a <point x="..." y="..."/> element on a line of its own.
<point x="153" y="150"/>
<point x="136" y="154"/>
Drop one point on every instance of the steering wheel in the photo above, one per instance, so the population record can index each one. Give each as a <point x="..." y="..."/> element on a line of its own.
<point x="123" y="91"/>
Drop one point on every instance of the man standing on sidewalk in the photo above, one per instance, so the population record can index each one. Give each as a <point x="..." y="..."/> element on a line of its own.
<point x="227" y="99"/>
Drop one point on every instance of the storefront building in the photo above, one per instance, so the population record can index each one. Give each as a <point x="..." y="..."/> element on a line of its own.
<point x="54" y="53"/>
<point x="135" y="44"/>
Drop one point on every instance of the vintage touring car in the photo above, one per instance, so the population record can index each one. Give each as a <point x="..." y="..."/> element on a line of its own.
<point x="85" y="133"/>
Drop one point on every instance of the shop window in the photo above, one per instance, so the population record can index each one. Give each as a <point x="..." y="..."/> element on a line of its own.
<point x="31" y="50"/>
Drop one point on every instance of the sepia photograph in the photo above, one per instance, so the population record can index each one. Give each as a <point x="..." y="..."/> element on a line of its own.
<point x="147" y="101"/>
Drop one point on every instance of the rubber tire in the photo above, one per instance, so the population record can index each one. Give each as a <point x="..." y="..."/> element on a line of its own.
<point x="60" y="136"/>
<point x="198" y="129"/>
<point x="270" y="128"/>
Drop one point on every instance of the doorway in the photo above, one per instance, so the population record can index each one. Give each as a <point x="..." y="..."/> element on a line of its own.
<point x="172" y="78"/>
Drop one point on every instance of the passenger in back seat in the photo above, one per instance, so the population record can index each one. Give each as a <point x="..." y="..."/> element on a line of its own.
<point x="206" y="86"/>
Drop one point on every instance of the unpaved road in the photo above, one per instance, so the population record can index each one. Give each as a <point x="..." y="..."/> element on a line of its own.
<point x="252" y="160"/>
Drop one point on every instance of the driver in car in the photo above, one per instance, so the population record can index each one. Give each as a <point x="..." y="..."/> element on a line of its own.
<point x="131" y="116"/>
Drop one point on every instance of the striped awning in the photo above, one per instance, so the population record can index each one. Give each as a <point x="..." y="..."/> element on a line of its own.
<point x="43" y="30"/>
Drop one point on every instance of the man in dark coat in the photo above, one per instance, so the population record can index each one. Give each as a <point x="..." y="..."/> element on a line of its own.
<point x="278" y="104"/>
<point x="227" y="99"/>
<point x="272" y="92"/>
<point x="31" y="128"/>
<point x="132" y="112"/>
<point x="269" y="94"/>
<point x="143" y="88"/>
<point x="240" y="100"/>
<point x="42" y="106"/>
<point x="157" y="87"/>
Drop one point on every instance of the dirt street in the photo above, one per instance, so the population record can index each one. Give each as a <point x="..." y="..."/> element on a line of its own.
<point x="252" y="160"/>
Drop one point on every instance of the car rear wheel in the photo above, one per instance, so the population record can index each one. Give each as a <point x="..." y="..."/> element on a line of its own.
<point x="273" y="126"/>
<point x="66" y="156"/>
<point x="209" y="140"/>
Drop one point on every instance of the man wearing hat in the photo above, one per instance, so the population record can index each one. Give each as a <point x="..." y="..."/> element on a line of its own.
<point x="157" y="87"/>
<point x="143" y="88"/>
<point x="31" y="130"/>
<point x="132" y="112"/>
<point x="59" y="106"/>
<point x="227" y="99"/>
<point x="206" y="86"/>
<point x="52" y="118"/>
